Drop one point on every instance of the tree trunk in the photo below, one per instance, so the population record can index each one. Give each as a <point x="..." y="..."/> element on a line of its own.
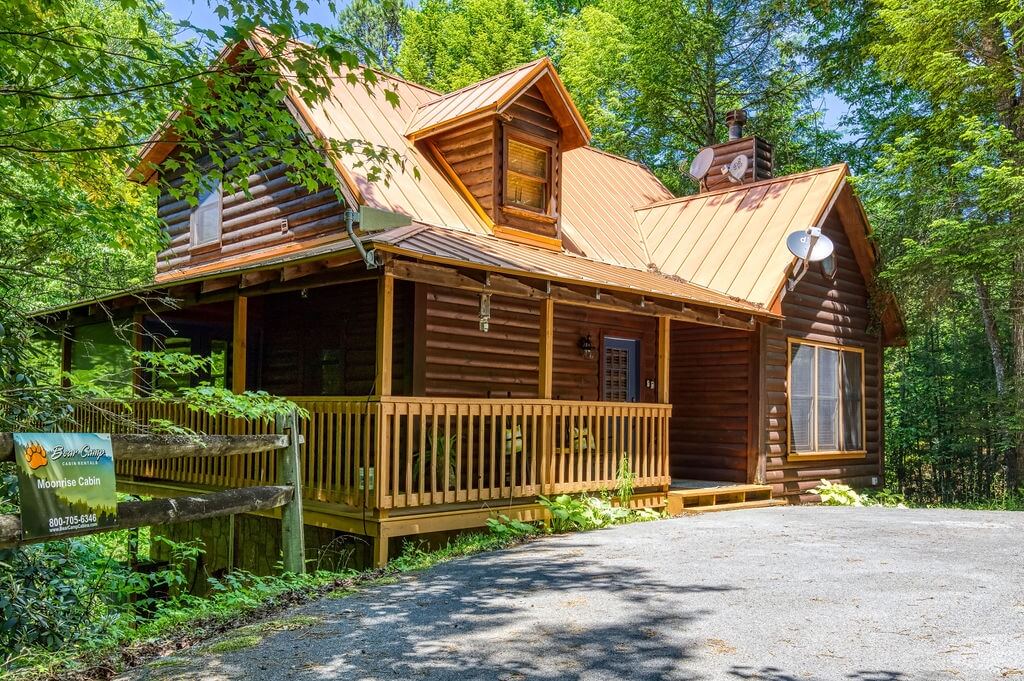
<point x="991" y="333"/>
<point x="1015" y="454"/>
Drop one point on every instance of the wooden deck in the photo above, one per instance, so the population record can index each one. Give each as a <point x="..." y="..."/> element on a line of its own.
<point x="389" y="466"/>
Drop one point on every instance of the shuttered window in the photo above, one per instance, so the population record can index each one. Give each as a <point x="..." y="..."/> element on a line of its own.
<point x="527" y="176"/>
<point x="826" y="399"/>
<point x="206" y="216"/>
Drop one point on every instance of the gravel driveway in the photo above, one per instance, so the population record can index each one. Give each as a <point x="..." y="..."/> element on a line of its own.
<point x="779" y="594"/>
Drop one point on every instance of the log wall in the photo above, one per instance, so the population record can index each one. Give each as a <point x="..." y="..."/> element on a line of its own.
<point x="836" y="312"/>
<point x="249" y="223"/>
<point x="711" y="393"/>
<point x="459" y="360"/>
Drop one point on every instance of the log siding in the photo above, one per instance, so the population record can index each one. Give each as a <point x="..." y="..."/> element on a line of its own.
<point x="249" y="223"/>
<point x="835" y="313"/>
<point x="710" y="390"/>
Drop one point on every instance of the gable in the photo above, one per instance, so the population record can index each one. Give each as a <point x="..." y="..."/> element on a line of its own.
<point x="494" y="96"/>
<point x="734" y="240"/>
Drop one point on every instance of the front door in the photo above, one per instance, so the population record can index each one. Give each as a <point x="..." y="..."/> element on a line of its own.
<point x="621" y="370"/>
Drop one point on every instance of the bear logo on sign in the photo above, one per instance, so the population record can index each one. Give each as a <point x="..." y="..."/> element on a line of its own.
<point x="35" y="455"/>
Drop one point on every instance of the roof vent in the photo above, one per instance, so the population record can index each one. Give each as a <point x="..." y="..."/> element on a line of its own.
<point x="736" y="119"/>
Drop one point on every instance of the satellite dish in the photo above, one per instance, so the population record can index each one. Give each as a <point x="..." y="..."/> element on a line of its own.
<point x="810" y="245"/>
<point x="737" y="168"/>
<point x="701" y="163"/>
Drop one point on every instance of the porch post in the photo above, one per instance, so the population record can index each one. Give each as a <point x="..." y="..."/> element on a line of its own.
<point x="138" y="372"/>
<point x="239" y="344"/>
<point x="664" y="394"/>
<point x="545" y="364"/>
<point x="66" y="340"/>
<point x="381" y="462"/>
<point x="545" y="370"/>
<point x="385" y="328"/>
<point x="664" y="347"/>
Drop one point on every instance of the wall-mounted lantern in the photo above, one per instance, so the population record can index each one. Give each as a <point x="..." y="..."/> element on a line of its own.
<point x="586" y="346"/>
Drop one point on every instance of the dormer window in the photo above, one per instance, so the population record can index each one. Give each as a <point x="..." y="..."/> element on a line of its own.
<point x="528" y="175"/>
<point x="205" y="222"/>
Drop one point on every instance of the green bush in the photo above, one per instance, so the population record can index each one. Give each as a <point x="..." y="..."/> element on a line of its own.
<point x="569" y="514"/>
<point x="837" y="494"/>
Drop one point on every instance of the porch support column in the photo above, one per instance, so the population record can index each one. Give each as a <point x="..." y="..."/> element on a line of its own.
<point x="545" y="364"/>
<point x="239" y="343"/>
<point x="66" y="341"/>
<point x="385" y="332"/>
<point x="664" y="346"/>
<point x="545" y="370"/>
<point x="138" y="371"/>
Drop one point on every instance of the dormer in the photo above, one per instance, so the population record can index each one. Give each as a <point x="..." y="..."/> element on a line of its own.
<point x="500" y="141"/>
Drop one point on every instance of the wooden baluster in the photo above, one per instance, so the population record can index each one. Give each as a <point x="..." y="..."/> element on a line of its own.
<point x="459" y="494"/>
<point x="494" y="447"/>
<point x="423" y="453"/>
<point x="395" y="470"/>
<point x="472" y="488"/>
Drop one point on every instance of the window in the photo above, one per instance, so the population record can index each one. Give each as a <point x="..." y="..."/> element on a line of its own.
<point x="206" y="216"/>
<point x="526" y="175"/>
<point x="826" y="399"/>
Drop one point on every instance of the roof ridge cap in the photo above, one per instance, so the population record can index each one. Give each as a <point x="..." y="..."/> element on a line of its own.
<point x="478" y="83"/>
<point x="740" y="187"/>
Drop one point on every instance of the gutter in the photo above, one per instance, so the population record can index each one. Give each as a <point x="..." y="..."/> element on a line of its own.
<point x="369" y="257"/>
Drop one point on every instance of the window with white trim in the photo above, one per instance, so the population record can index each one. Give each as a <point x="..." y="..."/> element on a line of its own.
<point x="826" y="399"/>
<point x="205" y="221"/>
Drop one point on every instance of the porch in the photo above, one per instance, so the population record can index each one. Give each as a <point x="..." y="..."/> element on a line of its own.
<point x="391" y="466"/>
<point x="442" y="393"/>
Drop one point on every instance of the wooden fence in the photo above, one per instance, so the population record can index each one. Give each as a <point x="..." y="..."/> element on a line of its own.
<point x="406" y="452"/>
<point x="136" y="451"/>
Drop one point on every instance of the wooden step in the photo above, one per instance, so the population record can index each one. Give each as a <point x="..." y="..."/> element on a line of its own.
<point x="738" y="506"/>
<point x="725" y="489"/>
<point x="725" y="497"/>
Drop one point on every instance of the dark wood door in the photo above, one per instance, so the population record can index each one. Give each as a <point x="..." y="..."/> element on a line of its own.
<point x="621" y="370"/>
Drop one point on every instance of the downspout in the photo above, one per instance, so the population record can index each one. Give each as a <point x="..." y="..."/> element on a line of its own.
<point x="369" y="257"/>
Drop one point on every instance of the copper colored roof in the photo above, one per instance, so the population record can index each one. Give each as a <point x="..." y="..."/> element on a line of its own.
<point x="734" y="240"/>
<point x="491" y="96"/>
<point x="600" y="194"/>
<point x="496" y="254"/>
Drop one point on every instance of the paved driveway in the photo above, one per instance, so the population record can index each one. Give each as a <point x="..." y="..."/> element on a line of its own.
<point x="777" y="594"/>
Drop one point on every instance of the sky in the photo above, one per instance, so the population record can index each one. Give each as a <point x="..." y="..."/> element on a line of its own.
<point x="201" y="13"/>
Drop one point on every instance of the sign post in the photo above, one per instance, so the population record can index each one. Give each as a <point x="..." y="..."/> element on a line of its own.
<point x="67" y="483"/>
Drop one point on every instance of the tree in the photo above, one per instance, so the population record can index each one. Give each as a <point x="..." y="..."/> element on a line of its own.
<point x="961" y="64"/>
<point x="451" y="43"/>
<point x="84" y="84"/>
<point x="375" y="27"/>
<point x="655" y="78"/>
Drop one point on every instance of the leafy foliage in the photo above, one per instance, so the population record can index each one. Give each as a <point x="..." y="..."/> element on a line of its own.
<point x="451" y="43"/>
<point x="584" y="512"/>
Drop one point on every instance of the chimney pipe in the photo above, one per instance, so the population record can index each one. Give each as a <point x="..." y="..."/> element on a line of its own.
<point x="735" y="120"/>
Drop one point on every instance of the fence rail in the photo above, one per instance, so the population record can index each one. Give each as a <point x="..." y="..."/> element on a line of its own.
<point x="150" y="452"/>
<point x="414" y="452"/>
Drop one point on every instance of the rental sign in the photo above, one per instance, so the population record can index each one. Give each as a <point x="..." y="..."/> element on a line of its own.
<point x="67" y="482"/>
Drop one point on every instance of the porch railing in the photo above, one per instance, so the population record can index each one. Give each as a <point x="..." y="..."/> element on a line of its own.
<point x="405" y="452"/>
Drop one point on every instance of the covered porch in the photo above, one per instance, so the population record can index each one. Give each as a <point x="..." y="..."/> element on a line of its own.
<point x="442" y="392"/>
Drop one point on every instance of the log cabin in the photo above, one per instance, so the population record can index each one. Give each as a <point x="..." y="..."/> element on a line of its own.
<point x="541" y="312"/>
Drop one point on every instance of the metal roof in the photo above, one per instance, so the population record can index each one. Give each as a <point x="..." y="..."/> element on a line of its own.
<point x="490" y="95"/>
<point x="600" y="194"/>
<point x="496" y="254"/>
<point x="734" y="240"/>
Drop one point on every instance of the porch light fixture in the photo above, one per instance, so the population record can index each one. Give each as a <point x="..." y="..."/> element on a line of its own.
<point x="586" y="346"/>
<point x="485" y="312"/>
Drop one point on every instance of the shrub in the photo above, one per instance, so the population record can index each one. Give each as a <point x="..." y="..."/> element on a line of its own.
<point x="836" y="494"/>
